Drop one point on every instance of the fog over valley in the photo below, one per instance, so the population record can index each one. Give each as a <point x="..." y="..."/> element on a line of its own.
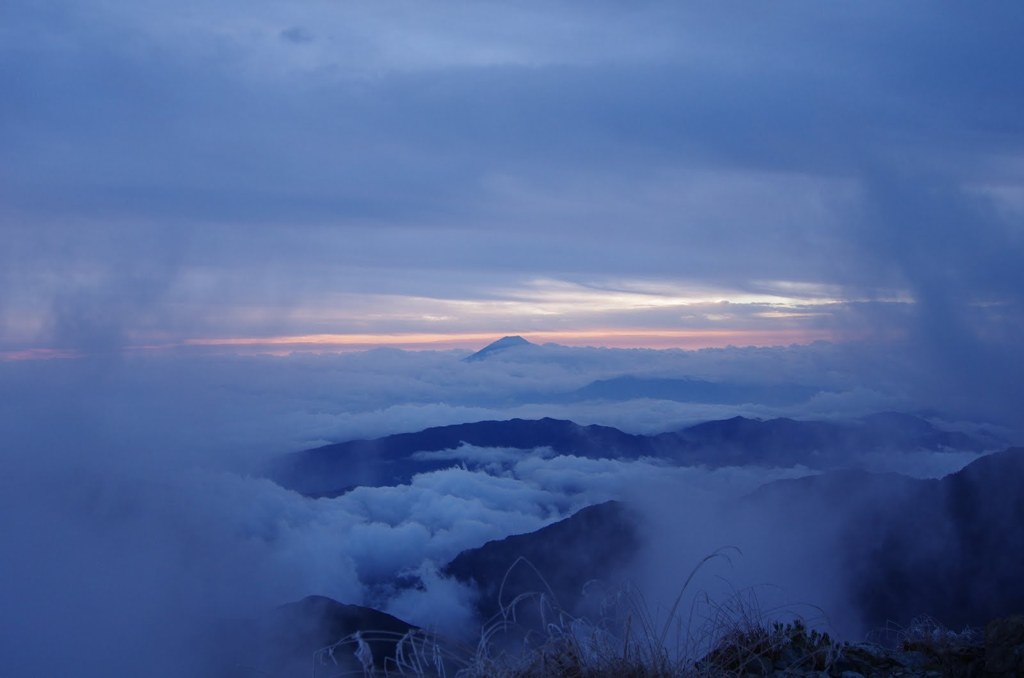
<point x="146" y="519"/>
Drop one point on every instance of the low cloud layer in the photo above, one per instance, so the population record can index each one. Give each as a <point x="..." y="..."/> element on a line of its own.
<point x="136" y="521"/>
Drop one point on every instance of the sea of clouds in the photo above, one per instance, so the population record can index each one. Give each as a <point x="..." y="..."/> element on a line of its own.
<point x="136" y="519"/>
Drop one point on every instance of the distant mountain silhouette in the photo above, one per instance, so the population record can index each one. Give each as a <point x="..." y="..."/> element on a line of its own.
<point x="951" y="548"/>
<point x="593" y="544"/>
<point x="499" y="346"/>
<point x="334" y="469"/>
<point x="954" y="549"/>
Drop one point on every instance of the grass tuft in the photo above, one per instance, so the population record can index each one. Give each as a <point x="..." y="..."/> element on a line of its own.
<point x="533" y="637"/>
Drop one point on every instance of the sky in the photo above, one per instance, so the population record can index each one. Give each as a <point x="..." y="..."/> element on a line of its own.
<point x="328" y="175"/>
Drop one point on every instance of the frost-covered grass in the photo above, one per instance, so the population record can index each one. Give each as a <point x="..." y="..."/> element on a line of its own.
<point x="734" y="641"/>
<point x="531" y="637"/>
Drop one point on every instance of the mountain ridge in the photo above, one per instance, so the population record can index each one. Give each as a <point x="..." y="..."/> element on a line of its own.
<point x="949" y="548"/>
<point x="333" y="469"/>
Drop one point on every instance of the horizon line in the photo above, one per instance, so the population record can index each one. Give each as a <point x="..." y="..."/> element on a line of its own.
<point x="647" y="338"/>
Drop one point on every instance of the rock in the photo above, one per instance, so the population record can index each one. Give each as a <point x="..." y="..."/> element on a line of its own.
<point x="1004" y="647"/>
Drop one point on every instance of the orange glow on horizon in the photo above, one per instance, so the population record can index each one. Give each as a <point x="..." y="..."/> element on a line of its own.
<point x="38" y="354"/>
<point x="610" y="338"/>
<point x="420" y="341"/>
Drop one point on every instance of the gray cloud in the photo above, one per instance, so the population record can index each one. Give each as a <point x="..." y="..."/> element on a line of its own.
<point x="716" y="144"/>
<point x="958" y="255"/>
<point x="297" y="35"/>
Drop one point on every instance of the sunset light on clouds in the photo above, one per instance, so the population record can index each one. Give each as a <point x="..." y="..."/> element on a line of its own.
<point x="357" y="172"/>
<point x="617" y="338"/>
<point x="621" y="313"/>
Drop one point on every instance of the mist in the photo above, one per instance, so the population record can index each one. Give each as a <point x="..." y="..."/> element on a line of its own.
<point x="139" y="523"/>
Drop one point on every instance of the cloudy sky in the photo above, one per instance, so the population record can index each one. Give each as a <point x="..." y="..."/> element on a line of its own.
<point x="328" y="173"/>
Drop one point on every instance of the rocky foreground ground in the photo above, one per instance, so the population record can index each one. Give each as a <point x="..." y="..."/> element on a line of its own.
<point x="924" y="650"/>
